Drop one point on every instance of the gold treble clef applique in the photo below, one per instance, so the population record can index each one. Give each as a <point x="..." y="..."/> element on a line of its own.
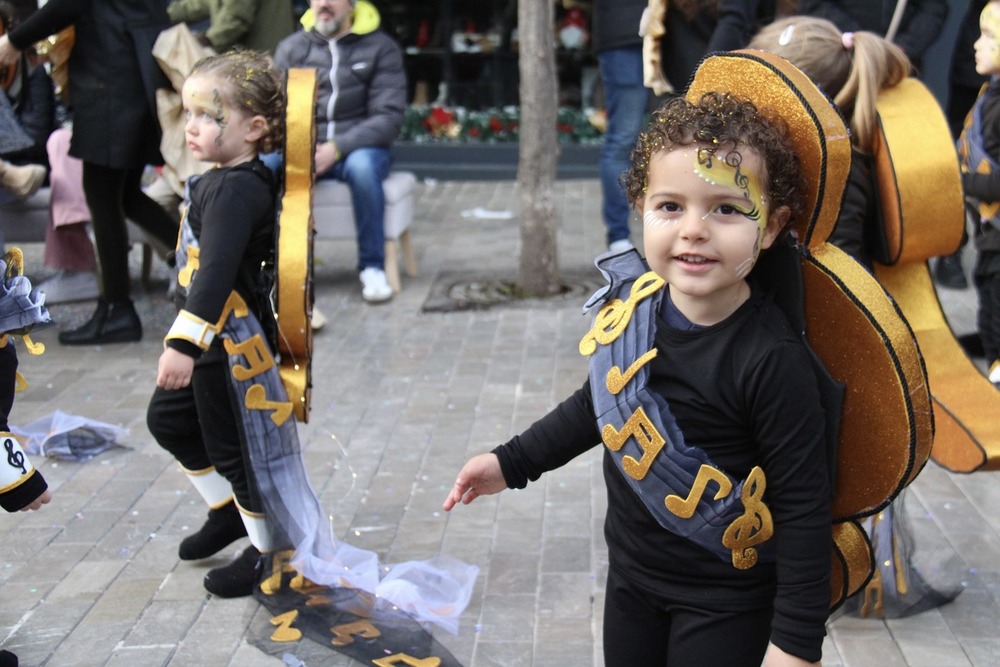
<point x="612" y="319"/>
<point x="754" y="527"/>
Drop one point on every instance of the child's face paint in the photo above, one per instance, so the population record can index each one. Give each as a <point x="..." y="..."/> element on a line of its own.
<point x="705" y="224"/>
<point x="987" y="47"/>
<point x="215" y="132"/>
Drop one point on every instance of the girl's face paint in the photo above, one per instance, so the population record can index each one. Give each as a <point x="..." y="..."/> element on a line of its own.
<point x="215" y="132"/>
<point x="705" y="223"/>
<point x="987" y="47"/>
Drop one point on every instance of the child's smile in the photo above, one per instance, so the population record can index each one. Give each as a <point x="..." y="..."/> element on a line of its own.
<point x="705" y="223"/>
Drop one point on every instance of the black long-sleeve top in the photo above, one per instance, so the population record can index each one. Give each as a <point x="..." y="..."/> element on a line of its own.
<point x="743" y="391"/>
<point x="232" y="215"/>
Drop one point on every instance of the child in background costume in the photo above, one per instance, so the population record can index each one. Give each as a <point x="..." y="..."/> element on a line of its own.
<point x="979" y="150"/>
<point x="22" y="487"/>
<point x="852" y="68"/>
<point x="234" y="106"/>
<point x="698" y="381"/>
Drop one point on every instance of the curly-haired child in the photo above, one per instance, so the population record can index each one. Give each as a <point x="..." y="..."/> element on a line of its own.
<point x="704" y="396"/>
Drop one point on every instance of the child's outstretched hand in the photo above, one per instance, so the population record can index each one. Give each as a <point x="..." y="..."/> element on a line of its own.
<point x="38" y="502"/>
<point x="480" y="476"/>
<point x="174" y="370"/>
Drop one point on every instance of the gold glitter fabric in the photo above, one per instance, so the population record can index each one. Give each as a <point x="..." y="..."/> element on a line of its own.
<point x="965" y="403"/>
<point x="295" y="243"/>
<point x="886" y="426"/>
<point x="921" y="196"/>
<point x="917" y="175"/>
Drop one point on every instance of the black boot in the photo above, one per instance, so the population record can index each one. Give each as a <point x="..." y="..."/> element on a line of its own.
<point x="948" y="272"/>
<point x="239" y="578"/>
<point x="8" y="659"/>
<point x="111" y="323"/>
<point x="224" y="526"/>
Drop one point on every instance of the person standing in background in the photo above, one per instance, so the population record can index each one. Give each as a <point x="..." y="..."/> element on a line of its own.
<point x="618" y="45"/>
<point x="250" y="24"/>
<point x="112" y="84"/>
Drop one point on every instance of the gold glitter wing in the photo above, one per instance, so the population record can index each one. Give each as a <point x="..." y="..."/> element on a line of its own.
<point x="295" y="243"/>
<point x="862" y="339"/>
<point x="921" y="194"/>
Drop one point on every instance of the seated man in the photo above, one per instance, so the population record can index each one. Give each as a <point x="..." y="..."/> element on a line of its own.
<point x="360" y="102"/>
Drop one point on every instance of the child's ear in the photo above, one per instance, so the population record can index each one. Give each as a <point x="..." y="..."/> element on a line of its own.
<point x="256" y="129"/>
<point x="776" y="221"/>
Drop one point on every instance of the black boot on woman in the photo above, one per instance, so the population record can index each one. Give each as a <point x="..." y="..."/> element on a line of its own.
<point x="8" y="659"/>
<point x="112" y="322"/>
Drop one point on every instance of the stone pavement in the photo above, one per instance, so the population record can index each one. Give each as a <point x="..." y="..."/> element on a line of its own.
<point x="401" y="399"/>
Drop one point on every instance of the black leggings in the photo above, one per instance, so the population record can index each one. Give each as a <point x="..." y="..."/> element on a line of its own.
<point x="112" y="195"/>
<point x="988" y="316"/>
<point x="198" y="425"/>
<point x="640" y="629"/>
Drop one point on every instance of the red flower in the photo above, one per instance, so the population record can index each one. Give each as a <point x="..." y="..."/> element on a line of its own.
<point x="495" y="124"/>
<point x="441" y="116"/>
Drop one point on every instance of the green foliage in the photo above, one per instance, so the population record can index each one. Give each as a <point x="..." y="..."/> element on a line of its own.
<point x="426" y="124"/>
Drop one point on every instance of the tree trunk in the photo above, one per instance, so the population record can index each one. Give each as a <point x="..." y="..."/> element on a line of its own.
<point x="538" y="150"/>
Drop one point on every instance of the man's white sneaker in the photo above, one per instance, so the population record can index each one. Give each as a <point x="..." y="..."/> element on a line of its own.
<point x="621" y="245"/>
<point x="374" y="286"/>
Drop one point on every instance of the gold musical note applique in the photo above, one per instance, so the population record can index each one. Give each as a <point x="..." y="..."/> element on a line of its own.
<point x="616" y="380"/>
<point x="285" y="631"/>
<point x="649" y="439"/>
<point x="684" y="507"/>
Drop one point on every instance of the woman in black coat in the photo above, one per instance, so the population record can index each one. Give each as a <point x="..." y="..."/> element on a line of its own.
<point x="112" y="82"/>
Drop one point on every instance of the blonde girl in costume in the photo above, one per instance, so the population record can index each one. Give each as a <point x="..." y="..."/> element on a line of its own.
<point x="234" y="108"/>
<point x="697" y="381"/>
<point x="852" y="68"/>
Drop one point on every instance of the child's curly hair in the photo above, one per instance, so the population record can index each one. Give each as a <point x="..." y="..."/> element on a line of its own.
<point x="719" y="120"/>
<point x="251" y="83"/>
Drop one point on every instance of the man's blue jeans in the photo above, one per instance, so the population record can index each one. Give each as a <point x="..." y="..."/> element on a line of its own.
<point x="363" y="170"/>
<point x="625" y="99"/>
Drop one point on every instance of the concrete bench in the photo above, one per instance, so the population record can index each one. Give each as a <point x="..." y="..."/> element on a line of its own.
<point x="26" y="221"/>
<point x="333" y="217"/>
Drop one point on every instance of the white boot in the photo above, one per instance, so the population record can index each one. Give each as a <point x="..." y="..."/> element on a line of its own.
<point x="257" y="530"/>
<point x="210" y="485"/>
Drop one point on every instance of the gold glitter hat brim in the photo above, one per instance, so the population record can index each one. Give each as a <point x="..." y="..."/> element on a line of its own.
<point x="781" y="90"/>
